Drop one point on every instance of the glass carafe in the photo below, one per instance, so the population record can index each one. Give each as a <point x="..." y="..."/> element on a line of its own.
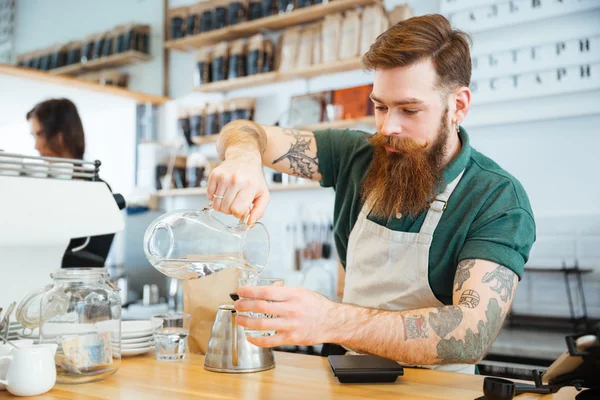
<point x="81" y="313"/>
<point x="190" y="244"/>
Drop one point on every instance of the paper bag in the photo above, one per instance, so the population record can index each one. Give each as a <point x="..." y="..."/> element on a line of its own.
<point x="202" y="298"/>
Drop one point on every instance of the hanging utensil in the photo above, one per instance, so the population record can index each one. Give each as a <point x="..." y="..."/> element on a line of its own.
<point x="4" y="320"/>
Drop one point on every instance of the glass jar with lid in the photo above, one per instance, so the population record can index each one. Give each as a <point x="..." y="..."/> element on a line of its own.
<point x="81" y="313"/>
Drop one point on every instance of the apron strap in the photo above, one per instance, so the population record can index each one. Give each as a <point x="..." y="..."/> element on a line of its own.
<point x="436" y="209"/>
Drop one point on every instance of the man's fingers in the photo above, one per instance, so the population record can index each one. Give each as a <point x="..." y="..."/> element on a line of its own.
<point x="262" y="324"/>
<point x="260" y="204"/>
<point x="267" y="341"/>
<point x="273" y="293"/>
<point x="261" y="306"/>
<point x="242" y="202"/>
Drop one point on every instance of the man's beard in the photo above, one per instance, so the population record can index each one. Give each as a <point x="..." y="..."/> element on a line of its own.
<point x="404" y="182"/>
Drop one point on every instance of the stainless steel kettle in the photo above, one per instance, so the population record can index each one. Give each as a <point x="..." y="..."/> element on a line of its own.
<point x="229" y="351"/>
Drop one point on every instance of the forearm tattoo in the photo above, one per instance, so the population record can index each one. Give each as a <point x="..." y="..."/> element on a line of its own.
<point x="474" y="344"/>
<point x="300" y="162"/>
<point x="415" y="327"/>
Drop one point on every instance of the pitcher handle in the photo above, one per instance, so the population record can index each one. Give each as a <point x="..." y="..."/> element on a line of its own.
<point x="8" y="357"/>
<point x="209" y="210"/>
<point x="150" y="246"/>
<point x="234" y="339"/>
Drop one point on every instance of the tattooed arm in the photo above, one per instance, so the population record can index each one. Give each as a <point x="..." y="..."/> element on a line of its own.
<point x="286" y="150"/>
<point x="461" y="333"/>
<point x="244" y="146"/>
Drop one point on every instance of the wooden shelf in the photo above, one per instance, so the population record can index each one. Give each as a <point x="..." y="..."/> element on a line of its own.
<point x="32" y="74"/>
<point x="205" y="139"/>
<point x="341" y="124"/>
<point x="312" y="71"/>
<point x="202" y="191"/>
<point x="112" y="61"/>
<point x="238" y="83"/>
<point x="275" y="22"/>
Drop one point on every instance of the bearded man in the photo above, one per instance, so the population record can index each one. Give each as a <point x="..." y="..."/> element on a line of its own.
<point x="433" y="235"/>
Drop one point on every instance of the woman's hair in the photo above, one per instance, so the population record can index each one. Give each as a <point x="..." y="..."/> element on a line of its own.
<point x="60" y="116"/>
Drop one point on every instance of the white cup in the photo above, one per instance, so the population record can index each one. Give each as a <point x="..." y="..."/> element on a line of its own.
<point x="6" y="349"/>
<point x="32" y="370"/>
<point x="37" y="168"/>
<point x="14" y="166"/>
<point x="61" y="170"/>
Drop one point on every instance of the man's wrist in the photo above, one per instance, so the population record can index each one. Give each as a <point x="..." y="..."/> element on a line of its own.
<point x="243" y="154"/>
<point x="338" y="324"/>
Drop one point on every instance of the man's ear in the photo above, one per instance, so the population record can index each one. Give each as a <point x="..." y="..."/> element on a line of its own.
<point x="462" y="102"/>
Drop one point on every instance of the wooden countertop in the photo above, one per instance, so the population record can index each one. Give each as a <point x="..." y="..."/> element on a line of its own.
<point x="296" y="376"/>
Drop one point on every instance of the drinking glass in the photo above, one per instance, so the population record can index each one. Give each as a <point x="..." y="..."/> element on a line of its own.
<point x="259" y="282"/>
<point x="170" y="335"/>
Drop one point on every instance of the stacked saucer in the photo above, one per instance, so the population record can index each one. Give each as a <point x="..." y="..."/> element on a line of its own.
<point x="14" y="331"/>
<point x="136" y="338"/>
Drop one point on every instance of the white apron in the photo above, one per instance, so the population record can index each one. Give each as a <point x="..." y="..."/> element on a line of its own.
<point x="389" y="270"/>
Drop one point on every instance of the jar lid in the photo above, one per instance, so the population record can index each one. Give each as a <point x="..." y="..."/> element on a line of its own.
<point x="30" y="309"/>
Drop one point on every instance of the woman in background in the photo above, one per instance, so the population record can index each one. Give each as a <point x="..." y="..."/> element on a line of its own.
<point x="57" y="129"/>
<point x="58" y="132"/>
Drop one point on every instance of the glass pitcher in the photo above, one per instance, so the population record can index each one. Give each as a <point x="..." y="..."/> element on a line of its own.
<point x="81" y="313"/>
<point x="191" y="244"/>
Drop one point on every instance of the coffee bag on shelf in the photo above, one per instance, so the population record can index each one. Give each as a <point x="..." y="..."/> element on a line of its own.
<point x="237" y="59"/>
<point x="269" y="56"/>
<point x="290" y="43"/>
<point x="177" y="18"/>
<point x="317" y="40"/>
<point x="350" y="39"/>
<point x="332" y="29"/>
<point x="243" y="108"/>
<point x="255" y="58"/>
<point x="255" y="9"/>
<point x="373" y="23"/>
<point x="237" y="12"/>
<point x="212" y="124"/>
<point x="203" y="73"/>
<point x="399" y="13"/>
<point x="220" y="13"/>
<point x="305" y="47"/>
<point x="197" y="115"/>
<point x="220" y="61"/>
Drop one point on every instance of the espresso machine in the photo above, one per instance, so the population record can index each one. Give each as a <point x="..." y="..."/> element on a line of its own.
<point x="44" y="203"/>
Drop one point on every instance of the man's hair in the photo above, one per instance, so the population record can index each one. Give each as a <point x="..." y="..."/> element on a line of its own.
<point x="418" y="39"/>
<point x="60" y="116"/>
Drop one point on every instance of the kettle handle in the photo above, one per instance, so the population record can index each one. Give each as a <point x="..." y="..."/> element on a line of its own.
<point x="234" y="339"/>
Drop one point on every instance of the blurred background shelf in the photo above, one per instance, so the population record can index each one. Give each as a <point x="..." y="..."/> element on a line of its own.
<point x="312" y="71"/>
<point x="275" y="22"/>
<point x="202" y="191"/>
<point x="116" y="60"/>
<point x="341" y="124"/>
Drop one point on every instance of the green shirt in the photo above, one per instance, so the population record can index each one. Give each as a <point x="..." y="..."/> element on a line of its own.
<point x="488" y="215"/>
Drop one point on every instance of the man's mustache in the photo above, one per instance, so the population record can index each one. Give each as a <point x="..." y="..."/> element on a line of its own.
<point x="402" y="144"/>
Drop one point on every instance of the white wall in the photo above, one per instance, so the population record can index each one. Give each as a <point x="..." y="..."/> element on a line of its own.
<point x="41" y="23"/>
